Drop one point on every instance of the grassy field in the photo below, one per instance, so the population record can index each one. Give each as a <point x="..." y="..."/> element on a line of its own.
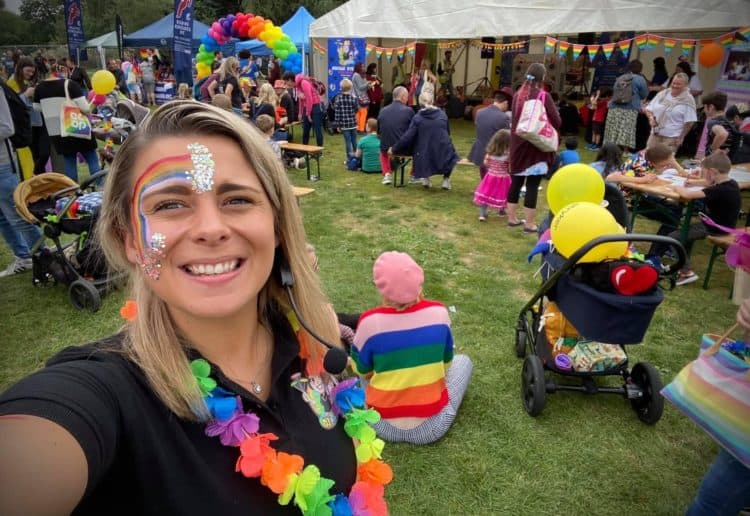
<point x="582" y="455"/>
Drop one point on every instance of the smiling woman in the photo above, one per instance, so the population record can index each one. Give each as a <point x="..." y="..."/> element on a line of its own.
<point x="198" y="211"/>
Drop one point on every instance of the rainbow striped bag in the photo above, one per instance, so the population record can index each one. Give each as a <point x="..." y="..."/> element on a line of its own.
<point x="714" y="391"/>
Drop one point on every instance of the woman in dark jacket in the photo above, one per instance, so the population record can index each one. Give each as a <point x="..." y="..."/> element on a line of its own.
<point x="429" y="140"/>
<point x="527" y="163"/>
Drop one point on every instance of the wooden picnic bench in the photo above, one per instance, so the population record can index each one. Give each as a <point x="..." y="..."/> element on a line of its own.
<point x="310" y="152"/>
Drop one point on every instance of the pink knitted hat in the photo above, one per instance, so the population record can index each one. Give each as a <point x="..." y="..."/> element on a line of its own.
<point x="398" y="277"/>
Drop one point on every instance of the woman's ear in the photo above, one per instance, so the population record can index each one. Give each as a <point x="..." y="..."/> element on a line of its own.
<point x="130" y="249"/>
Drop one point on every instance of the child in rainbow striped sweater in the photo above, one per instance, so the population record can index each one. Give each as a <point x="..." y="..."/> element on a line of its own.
<point x="405" y="348"/>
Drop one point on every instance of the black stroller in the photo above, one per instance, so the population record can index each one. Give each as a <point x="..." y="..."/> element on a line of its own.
<point x="62" y="207"/>
<point x="597" y="315"/>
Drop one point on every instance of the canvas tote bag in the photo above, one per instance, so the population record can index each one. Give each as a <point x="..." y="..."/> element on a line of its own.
<point x="534" y="125"/>
<point x="73" y="122"/>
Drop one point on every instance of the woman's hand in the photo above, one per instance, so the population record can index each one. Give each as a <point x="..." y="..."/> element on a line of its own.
<point x="29" y="93"/>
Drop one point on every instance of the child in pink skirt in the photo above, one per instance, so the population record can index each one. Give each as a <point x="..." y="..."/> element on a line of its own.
<point x="493" y="189"/>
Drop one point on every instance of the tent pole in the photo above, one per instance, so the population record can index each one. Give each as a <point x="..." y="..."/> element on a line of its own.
<point x="466" y="66"/>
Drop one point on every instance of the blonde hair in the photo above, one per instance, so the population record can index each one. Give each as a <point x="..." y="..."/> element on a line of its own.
<point x="222" y="101"/>
<point x="183" y="91"/>
<point x="345" y="84"/>
<point x="228" y="67"/>
<point x="152" y="341"/>
<point x="499" y="143"/>
<point x="426" y="99"/>
<point x="265" y="124"/>
<point x="266" y="95"/>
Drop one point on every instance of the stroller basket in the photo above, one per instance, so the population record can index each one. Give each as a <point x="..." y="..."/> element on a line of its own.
<point x="606" y="317"/>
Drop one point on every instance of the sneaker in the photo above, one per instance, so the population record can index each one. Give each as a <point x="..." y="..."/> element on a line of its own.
<point x="426" y="182"/>
<point x="295" y="163"/>
<point x="446" y="183"/>
<point x="17" y="266"/>
<point x="685" y="277"/>
<point x="387" y="178"/>
<point x="482" y="219"/>
<point x="313" y="177"/>
<point x="414" y="181"/>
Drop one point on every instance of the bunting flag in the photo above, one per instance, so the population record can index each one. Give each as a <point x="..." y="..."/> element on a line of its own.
<point x="607" y="48"/>
<point x="378" y="52"/>
<point x="624" y="46"/>
<point x="577" y="49"/>
<point x="549" y="44"/>
<point x="411" y="48"/>
<point x="389" y="54"/>
<point x="144" y="53"/>
<point x="369" y="48"/>
<point x="592" y="50"/>
<point x="562" y="48"/>
<point x="319" y="48"/>
<point x="687" y="45"/>
<point x="651" y="41"/>
<point x="745" y="32"/>
<point x="727" y="39"/>
<point x="669" y="45"/>
<point x="400" y="53"/>
<point x="641" y="41"/>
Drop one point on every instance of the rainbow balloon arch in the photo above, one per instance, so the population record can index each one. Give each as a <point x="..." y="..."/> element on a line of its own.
<point x="244" y="27"/>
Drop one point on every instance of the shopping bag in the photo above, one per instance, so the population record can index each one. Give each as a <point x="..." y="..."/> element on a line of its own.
<point x="714" y="391"/>
<point x="73" y="122"/>
<point x="534" y="125"/>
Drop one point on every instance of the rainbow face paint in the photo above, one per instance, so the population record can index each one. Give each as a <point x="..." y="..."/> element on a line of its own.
<point x="196" y="169"/>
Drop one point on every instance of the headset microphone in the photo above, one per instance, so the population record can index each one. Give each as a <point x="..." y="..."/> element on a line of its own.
<point x="336" y="358"/>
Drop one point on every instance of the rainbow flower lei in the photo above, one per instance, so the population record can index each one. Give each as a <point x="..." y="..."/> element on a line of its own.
<point x="286" y="474"/>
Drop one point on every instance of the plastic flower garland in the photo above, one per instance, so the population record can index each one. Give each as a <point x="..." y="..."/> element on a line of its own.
<point x="286" y="474"/>
<point x="246" y="26"/>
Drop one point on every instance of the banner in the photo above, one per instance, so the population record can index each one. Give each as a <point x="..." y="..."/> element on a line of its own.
<point x="118" y="34"/>
<point x="343" y="54"/>
<point x="74" y="28"/>
<point x="182" y="42"/>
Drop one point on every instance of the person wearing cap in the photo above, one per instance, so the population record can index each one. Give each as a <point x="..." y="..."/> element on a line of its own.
<point x="405" y="348"/>
<point x="489" y="121"/>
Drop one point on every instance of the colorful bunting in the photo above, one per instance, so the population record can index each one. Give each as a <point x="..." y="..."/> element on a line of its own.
<point x="378" y="52"/>
<point x="592" y="50"/>
<point x="369" y="48"/>
<point x="577" y="49"/>
<point x="562" y="47"/>
<point x="669" y="44"/>
<point x="607" y="48"/>
<point x="651" y="41"/>
<point x="624" y="46"/>
<point x="400" y="53"/>
<point x="549" y="44"/>
<point x="745" y="32"/>
<point x="641" y="41"/>
<point x="727" y="39"/>
<point x="412" y="49"/>
<point x="687" y="45"/>
<point x="389" y="54"/>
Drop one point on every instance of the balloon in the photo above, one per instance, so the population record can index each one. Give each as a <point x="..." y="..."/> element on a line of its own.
<point x="574" y="183"/>
<point x="99" y="99"/>
<point x="103" y="82"/>
<point x="711" y="54"/>
<point x="580" y="222"/>
<point x="281" y="54"/>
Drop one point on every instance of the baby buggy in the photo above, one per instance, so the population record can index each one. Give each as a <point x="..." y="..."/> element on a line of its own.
<point x="602" y="319"/>
<point x="62" y="207"/>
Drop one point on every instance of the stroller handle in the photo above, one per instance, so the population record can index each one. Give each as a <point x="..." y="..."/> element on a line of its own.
<point x="630" y="237"/>
<point x="92" y="179"/>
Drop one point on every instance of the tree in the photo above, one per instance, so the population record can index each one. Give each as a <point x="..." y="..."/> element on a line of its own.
<point x="41" y="15"/>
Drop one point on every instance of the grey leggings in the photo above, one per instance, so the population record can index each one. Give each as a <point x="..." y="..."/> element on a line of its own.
<point x="435" y="427"/>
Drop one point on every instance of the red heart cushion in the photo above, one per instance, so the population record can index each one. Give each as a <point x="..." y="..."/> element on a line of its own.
<point x="629" y="281"/>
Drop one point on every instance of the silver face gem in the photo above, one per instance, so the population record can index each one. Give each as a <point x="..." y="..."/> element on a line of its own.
<point x="152" y="257"/>
<point x="202" y="175"/>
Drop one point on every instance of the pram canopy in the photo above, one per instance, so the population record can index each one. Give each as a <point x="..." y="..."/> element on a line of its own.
<point x="38" y="188"/>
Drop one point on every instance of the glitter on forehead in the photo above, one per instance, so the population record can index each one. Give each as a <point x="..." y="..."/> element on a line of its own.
<point x="151" y="259"/>
<point x="202" y="175"/>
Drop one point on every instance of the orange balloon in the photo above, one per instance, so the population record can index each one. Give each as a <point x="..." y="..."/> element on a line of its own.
<point x="710" y="55"/>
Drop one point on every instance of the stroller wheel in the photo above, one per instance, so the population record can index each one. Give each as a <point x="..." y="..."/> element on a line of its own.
<point x="533" y="387"/>
<point x="520" y="341"/>
<point x="84" y="295"/>
<point x="650" y="405"/>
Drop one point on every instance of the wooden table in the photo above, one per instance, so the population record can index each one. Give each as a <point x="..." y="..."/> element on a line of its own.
<point x="660" y="188"/>
<point x="310" y="152"/>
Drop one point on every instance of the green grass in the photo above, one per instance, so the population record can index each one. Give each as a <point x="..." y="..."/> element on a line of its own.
<point x="582" y="455"/>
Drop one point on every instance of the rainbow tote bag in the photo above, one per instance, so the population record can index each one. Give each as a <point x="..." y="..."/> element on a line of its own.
<point x="73" y="122"/>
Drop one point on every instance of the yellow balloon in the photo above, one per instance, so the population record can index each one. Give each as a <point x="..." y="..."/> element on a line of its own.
<point x="103" y="82"/>
<point x="579" y="223"/>
<point x="202" y="70"/>
<point x="574" y="183"/>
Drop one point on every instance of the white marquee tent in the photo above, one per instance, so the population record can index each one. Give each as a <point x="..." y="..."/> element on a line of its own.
<point x="391" y="23"/>
<point x="448" y="19"/>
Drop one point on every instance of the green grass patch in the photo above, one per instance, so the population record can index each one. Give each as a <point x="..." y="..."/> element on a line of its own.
<point x="582" y="455"/>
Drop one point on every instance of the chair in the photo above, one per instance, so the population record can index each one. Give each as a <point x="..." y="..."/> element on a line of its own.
<point x="720" y="244"/>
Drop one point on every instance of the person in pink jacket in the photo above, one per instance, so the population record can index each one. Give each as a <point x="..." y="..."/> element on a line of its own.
<point x="310" y="110"/>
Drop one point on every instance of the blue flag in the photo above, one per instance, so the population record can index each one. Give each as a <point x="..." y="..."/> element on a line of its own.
<point x="74" y="27"/>
<point x="182" y="45"/>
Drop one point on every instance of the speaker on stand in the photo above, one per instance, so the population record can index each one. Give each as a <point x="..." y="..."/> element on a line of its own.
<point x="484" y="86"/>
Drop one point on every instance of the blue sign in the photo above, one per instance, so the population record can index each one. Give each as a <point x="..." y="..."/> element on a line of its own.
<point x="74" y="27"/>
<point x="343" y="54"/>
<point x="182" y="45"/>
